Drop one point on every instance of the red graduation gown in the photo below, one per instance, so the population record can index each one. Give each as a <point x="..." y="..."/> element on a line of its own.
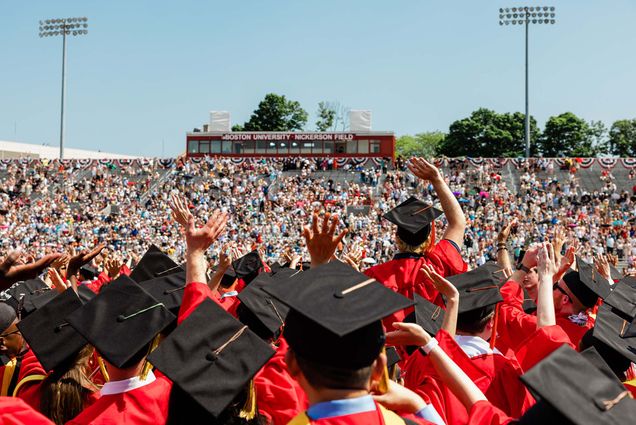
<point x="404" y="276"/>
<point x="193" y="295"/>
<point x="27" y="389"/>
<point x="484" y="413"/>
<point x="14" y="411"/>
<point x="144" y="405"/>
<point x="515" y="325"/>
<point x="278" y="396"/>
<point x="495" y="375"/>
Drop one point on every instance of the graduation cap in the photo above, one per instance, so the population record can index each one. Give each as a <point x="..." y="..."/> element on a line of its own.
<point x="7" y="316"/>
<point x="48" y="333"/>
<point x="154" y="263"/>
<point x="392" y="357"/>
<point x="426" y="314"/>
<point x="121" y="320"/>
<point x="248" y="266"/>
<point x="167" y="289"/>
<point x="228" y="278"/>
<point x="593" y="356"/>
<point x="616" y="331"/>
<point x="28" y="296"/>
<point x="269" y="312"/>
<point x="570" y="388"/>
<point x="623" y="297"/>
<point x="478" y="288"/>
<point x="335" y="313"/>
<point x="413" y="218"/>
<point x="89" y="272"/>
<point x="586" y="284"/>
<point x="211" y="356"/>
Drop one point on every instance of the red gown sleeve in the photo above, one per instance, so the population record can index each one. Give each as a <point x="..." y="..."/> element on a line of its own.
<point x="278" y="395"/>
<point x="446" y="259"/>
<point x="514" y="325"/>
<point x="484" y="413"/>
<point x="193" y="295"/>
<point x="30" y="391"/>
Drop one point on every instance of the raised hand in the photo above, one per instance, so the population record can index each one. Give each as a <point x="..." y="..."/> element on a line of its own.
<point x="11" y="271"/>
<point x="423" y="169"/>
<point x="354" y="257"/>
<point x="322" y="241"/>
<point x="451" y="293"/>
<point x="180" y="212"/>
<point x="113" y="267"/>
<point x="84" y="257"/>
<point x="200" y="238"/>
<point x="504" y="234"/>
<point x="57" y="281"/>
<point x="407" y="334"/>
<point x="400" y="399"/>
<point x="602" y="266"/>
<point x="546" y="263"/>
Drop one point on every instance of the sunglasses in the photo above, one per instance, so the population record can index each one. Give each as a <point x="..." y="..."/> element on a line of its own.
<point x="556" y="287"/>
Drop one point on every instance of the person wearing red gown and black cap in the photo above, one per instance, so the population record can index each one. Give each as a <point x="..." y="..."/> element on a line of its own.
<point x="416" y="242"/>
<point x="496" y="375"/>
<point x="64" y="390"/>
<point x="336" y="341"/>
<point x="123" y="323"/>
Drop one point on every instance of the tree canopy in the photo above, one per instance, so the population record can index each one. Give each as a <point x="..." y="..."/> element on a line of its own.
<point x="276" y="113"/>
<point x="622" y="138"/>
<point x="421" y="144"/>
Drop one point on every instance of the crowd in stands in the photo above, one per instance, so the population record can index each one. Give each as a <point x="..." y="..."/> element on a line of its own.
<point x="269" y="293"/>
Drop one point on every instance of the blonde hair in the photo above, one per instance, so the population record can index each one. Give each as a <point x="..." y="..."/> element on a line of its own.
<point x="420" y="249"/>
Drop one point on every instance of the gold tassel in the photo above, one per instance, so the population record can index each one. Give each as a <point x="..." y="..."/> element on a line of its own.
<point x="147" y="365"/>
<point x="383" y="383"/>
<point x="249" y="408"/>
<point x="102" y="367"/>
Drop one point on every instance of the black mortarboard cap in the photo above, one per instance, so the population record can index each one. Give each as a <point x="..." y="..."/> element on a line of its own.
<point x="269" y="311"/>
<point x="154" y="263"/>
<point x="623" y="297"/>
<point x="413" y="218"/>
<point x="48" y="333"/>
<point x="593" y="356"/>
<point x="121" y="320"/>
<point x="478" y="288"/>
<point x="583" y="394"/>
<point x="211" y="356"/>
<point x="89" y="272"/>
<point x="248" y="266"/>
<point x="428" y="315"/>
<point x="167" y="289"/>
<point x="335" y="313"/>
<point x="615" y="331"/>
<point x="228" y="278"/>
<point x="85" y="294"/>
<point x="586" y="284"/>
<point x="23" y="293"/>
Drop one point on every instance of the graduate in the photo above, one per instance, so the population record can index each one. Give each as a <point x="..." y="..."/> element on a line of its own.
<point x="336" y="340"/>
<point x="574" y="295"/>
<point x="122" y="322"/>
<point x="416" y="241"/>
<point x="65" y="389"/>
<point x="471" y="348"/>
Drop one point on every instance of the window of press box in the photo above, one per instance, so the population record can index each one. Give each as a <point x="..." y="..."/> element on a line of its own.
<point x="204" y="146"/>
<point x="226" y="147"/>
<point x="193" y="146"/>
<point x="363" y="146"/>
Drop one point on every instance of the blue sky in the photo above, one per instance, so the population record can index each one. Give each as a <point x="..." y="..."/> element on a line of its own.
<point x="148" y="71"/>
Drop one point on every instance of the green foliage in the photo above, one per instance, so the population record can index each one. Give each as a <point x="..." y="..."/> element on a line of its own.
<point x="622" y="138"/>
<point x="422" y="144"/>
<point x="326" y="117"/>
<point x="277" y="113"/>
<point x="487" y="133"/>
<point x="571" y="136"/>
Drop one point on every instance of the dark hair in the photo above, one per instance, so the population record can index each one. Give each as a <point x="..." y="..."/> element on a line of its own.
<point x="137" y="357"/>
<point x="475" y="321"/>
<point x="184" y="410"/>
<point x="64" y="391"/>
<point x="321" y="376"/>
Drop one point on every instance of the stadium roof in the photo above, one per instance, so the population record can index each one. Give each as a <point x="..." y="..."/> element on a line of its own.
<point x="9" y="150"/>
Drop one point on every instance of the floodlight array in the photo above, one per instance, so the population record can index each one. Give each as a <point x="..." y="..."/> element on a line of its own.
<point x="540" y="15"/>
<point x="64" y="26"/>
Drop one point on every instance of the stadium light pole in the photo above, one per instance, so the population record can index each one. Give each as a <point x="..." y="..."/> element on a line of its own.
<point x="526" y="15"/>
<point x="64" y="27"/>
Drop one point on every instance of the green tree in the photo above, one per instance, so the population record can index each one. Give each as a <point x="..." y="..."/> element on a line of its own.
<point x="570" y="136"/>
<point x="622" y="138"/>
<point x="277" y="113"/>
<point x="487" y="133"/>
<point x="326" y="116"/>
<point x="422" y="144"/>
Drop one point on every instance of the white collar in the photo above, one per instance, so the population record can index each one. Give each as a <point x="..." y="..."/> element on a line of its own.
<point x="474" y="346"/>
<point x="125" y="385"/>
